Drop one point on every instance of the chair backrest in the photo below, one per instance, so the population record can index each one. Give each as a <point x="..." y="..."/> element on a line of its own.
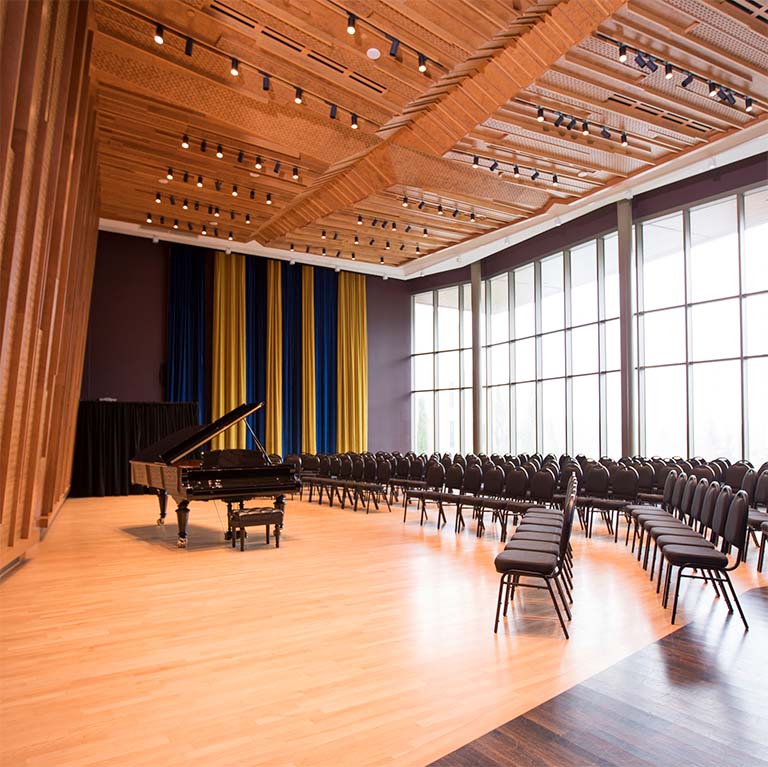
<point x="516" y="484"/>
<point x="569" y="509"/>
<point x="677" y="493"/>
<point x="335" y="465"/>
<point x="493" y="481"/>
<point x="403" y="467"/>
<point x="461" y="460"/>
<point x="708" y="506"/>
<point x="734" y="474"/>
<point x="435" y="475"/>
<point x="624" y="483"/>
<point x="324" y="469"/>
<point x="596" y="480"/>
<point x="310" y="462"/>
<point x="345" y="467"/>
<point x="473" y="479"/>
<point x="735" y="530"/>
<point x="698" y="499"/>
<point x="454" y="477"/>
<point x="645" y="477"/>
<point x="358" y="469"/>
<point x="687" y="499"/>
<point x="473" y="460"/>
<point x="763" y="468"/>
<point x="662" y="472"/>
<point x="703" y="472"/>
<point x="383" y="471"/>
<point x="543" y="485"/>
<point x="275" y="458"/>
<point x="717" y="469"/>
<point x="760" y="498"/>
<point x="748" y="482"/>
<point x="446" y="461"/>
<point x="417" y="468"/>
<point x="721" y="512"/>
<point x="295" y="460"/>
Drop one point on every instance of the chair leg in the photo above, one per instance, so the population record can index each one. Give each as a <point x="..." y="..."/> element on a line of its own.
<point x="677" y="593"/>
<point x="498" y="604"/>
<point x="761" y="557"/>
<point x="736" y="599"/>
<point x="557" y="607"/>
<point x="562" y="597"/>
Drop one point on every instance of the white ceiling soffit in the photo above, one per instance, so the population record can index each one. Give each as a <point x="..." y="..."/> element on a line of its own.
<point x="747" y="142"/>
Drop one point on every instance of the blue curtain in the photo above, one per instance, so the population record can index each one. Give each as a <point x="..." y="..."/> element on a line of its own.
<point x="326" y="319"/>
<point x="291" y="359"/>
<point x="185" y="368"/>
<point x="256" y="344"/>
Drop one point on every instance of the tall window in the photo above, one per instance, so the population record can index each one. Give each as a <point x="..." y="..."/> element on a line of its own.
<point x="552" y="356"/>
<point x="441" y="369"/>
<point x="701" y="321"/>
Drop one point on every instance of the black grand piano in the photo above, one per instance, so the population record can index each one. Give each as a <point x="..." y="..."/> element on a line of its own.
<point x="233" y="476"/>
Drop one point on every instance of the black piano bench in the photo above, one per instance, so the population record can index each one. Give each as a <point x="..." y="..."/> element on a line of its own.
<point x="239" y="519"/>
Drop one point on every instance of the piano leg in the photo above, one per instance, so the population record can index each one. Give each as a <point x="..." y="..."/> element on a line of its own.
<point x="162" y="499"/>
<point x="182" y="515"/>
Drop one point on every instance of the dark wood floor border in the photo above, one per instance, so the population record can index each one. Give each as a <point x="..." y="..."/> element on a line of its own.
<point x="696" y="697"/>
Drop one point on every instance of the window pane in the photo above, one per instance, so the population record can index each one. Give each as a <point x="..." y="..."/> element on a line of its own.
<point x="665" y="416"/>
<point x="466" y="421"/>
<point x="498" y="309"/>
<point x="612" y="446"/>
<point x="423" y="421"/>
<point x="553" y="416"/>
<point x="584" y="284"/>
<point x="552" y="293"/>
<point x="448" y="421"/>
<point x="448" y="318"/>
<point x="714" y="263"/>
<point x="423" y="375"/>
<point x="584" y="350"/>
<point x="664" y="337"/>
<point x="756" y="324"/>
<point x="754" y="261"/>
<point x="466" y="367"/>
<point x="553" y="355"/>
<point x="757" y="407"/>
<point x="612" y="345"/>
<point x="525" y="311"/>
<point x="498" y="419"/>
<point x="498" y="364"/>
<point x="525" y="359"/>
<point x="525" y="417"/>
<point x="466" y="317"/>
<point x="611" y="265"/>
<point x="717" y="409"/>
<point x="448" y="370"/>
<point x="663" y="278"/>
<point x="715" y="330"/>
<point x="423" y="338"/>
<point x="586" y="416"/>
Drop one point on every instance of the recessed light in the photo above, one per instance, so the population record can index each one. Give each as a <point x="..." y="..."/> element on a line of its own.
<point x="373" y="54"/>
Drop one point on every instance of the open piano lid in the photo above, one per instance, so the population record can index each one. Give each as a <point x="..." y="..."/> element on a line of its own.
<point x="174" y="447"/>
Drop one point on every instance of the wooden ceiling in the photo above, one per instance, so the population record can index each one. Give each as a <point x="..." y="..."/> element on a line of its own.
<point x="492" y="68"/>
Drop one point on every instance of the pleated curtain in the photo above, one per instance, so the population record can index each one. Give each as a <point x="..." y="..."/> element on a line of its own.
<point x="308" y="389"/>
<point x="256" y="345"/>
<point x="274" y="388"/>
<point x="292" y="358"/>
<point x="326" y="323"/>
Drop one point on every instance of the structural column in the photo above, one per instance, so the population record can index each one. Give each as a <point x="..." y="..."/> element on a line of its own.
<point x="627" y="297"/>
<point x="476" y="284"/>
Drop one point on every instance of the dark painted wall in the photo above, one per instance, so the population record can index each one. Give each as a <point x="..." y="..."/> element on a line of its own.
<point x="126" y="328"/>
<point x="389" y="365"/>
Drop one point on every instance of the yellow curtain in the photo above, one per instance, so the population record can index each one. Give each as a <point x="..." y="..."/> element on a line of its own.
<point x="352" y="362"/>
<point x="228" y="385"/>
<point x="308" y="397"/>
<point x="274" y="402"/>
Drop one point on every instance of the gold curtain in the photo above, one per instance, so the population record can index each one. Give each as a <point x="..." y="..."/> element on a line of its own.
<point x="308" y="396"/>
<point x="228" y="384"/>
<point x="352" y="362"/>
<point x="274" y="402"/>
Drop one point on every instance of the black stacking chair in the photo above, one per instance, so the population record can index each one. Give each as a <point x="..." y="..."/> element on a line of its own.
<point x="470" y="490"/>
<point x="490" y="497"/>
<point x="759" y="511"/>
<point x="454" y="479"/>
<point x="763" y="540"/>
<point x="430" y="492"/>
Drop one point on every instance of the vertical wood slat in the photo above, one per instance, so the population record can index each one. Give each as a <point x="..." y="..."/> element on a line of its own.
<point x="48" y="228"/>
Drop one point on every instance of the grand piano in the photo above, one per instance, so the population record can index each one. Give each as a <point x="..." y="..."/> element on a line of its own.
<point x="233" y="476"/>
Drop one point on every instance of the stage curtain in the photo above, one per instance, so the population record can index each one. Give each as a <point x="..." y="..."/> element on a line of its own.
<point x="292" y="353"/>
<point x="274" y="400"/>
<point x="185" y="328"/>
<point x="308" y="394"/>
<point x="352" y="365"/>
<point x="228" y="365"/>
<point x="326" y="322"/>
<point x="256" y="344"/>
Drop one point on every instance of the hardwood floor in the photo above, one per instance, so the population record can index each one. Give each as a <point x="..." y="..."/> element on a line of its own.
<point x="361" y="641"/>
<point x="697" y="698"/>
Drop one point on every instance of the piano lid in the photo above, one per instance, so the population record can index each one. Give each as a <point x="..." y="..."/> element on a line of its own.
<point x="174" y="447"/>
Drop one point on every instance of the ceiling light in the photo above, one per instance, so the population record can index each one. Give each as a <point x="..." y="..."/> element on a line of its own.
<point x="230" y="237"/>
<point x="624" y="141"/>
<point x="210" y="210"/>
<point x="422" y="63"/>
<point x="203" y="145"/>
<point x="324" y="251"/>
<point x="186" y="177"/>
<point x="651" y="64"/>
<point x="472" y="217"/>
<point x="426" y="233"/>
<point x="418" y="250"/>
<point x="493" y="166"/>
<point x="252" y="194"/>
<point x="351" y="24"/>
<point x="185" y="141"/>
<point x="235" y="68"/>
<point x="540" y="115"/>
<point x="394" y="47"/>
<point x="371" y="241"/>
<point x="159" y="34"/>
<point x="234" y="190"/>
<point x="534" y="175"/>
<point x="585" y="128"/>
<point x="258" y="165"/>
<point x="219" y="151"/>
<point x="353" y="122"/>
<point x="475" y="162"/>
<point x="721" y="93"/>
<point x="402" y="247"/>
<point x="516" y="172"/>
<point x="205" y="231"/>
<point x="292" y="248"/>
<point x="747" y="104"/>
<point x="688" y="80"/>
<point x="157" y="197"/>
<point x="639" y="60"/>
<point x="162" y="219"/>
<point x="357" y="239"/>
<point x="353" y="254"/>
<point x="374" y="222"/>
<point x="394" y="226"/>
<point x="216" y="213"/>
<point x="298" y="97"/>
<point x="359" y="220"/>
<point x="730" y="98"/>
<point x="560" y="119"/>
<point x="605" y="133"/>
<point x="217" y="184"/>
<point x="405" y="201"/>
<point x="240" y="156"/>
<point x="276" y="169"/>
<point x="188" y="46"/>
<point x="295" y="174"/>
<point x="384" y="224"/>
<point x="199" y="182"/>
<point x="381" y="259"/>
<point x="172" y="200"/>
<point x="554" y="179"/>
<point x="333" y="111"/>
<point x="322" y="236"/>
<point x="269" y="198"/>
<point x="572" y="124"/>
<point x="169" y="175"/>
<point x="175" y="223"/>
<point x="439" y="209"/>
<point x="712" y="88"/>
<point x="455" y="212"/>
<point x="622" y="53"/>
<point x="386" y="247"/>
<point x="247" y="218"/>
<point x="149" y="218"/>
<point x="306" y="250"/>
<point x="185" y="205"/>
<point x="265" y="82"/>
<point x="407" y="228"/>
<point x="668" y="71"/>
<point x="421" y="205"/>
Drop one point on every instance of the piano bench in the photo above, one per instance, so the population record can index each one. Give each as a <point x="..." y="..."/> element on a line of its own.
<point x="239" y="519"/>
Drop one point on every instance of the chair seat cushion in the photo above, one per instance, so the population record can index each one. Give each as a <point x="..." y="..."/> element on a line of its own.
<point x="695" y="555"/>
<point x="694" y="539"/>
<point x="535" y="562"/>
<point x="651" y="497"/>
<point x="545" y="547"/>
<point x="524" y="535"/>
<point x="756" y="518"/>
<point x="539" y="529"/>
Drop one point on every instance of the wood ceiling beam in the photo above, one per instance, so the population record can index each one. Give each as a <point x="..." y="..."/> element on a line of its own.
<point x="724" y="8"/>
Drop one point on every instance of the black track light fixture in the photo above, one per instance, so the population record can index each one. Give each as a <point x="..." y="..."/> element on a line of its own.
<point x="169" y="174"/>
<point x="572" y="124"/>
<point x="405" y="201"/>
<point x="353" y="122"/>
<point x="420" y="206"/>
<point x="230" y="237"/>
<point x="622" y="53"/>
<point x="475" y="162"/>
<point x="188" y="45"/>
<point x="687" y="81"/>
<point x="234" y="190"/>
<point x="359" y="220"/>
<point x="668" y="71"/>
<point x="216" y="213"/>
<point x="516" y="172"/>
<point x="203" y="145"/>
<point x="295" y="173"/>
<point x="439" y="210"/>
<point x="240" y="156"/>
<point x="386" y="247"/>
<point x="185" y="141"/>
<point x="299" y="96"/>
<point x="494" y="165"/>
<point x="585" y="128"/>
<point x="334" y="110"/>
<point x="455" y="212"/>
<point x="269" y="198"/>
<point x="554" y="179"/>
<point x="560" y="120"/>
<point x="258" y="164"/>
<point x="247" y="218"/>
<point x="185" y="205"/>
<point x="422" y="63"/>
<point x="265" y="82"/>
<point x="159" y="34"/>
<point x="712" y="88"/>
<point x="149" y="218"/>
<point x="175" y="223"/>
<point x="217" y="185"/>
<point x="277" y="167"/>
<point x="351" y="24"/>
<point x="157" y="197"/>
<point x="394" y="45"/>
<point x="540" y="114"/>
<point x="604" y="132"/>
<point x="219" y="151"/>
<point x="651" y="64"/>
<point x="323" y="235"/>
<point x="425" y="232"/>
<point x="291" y="248"/>
<point x="472" y="217"/>
<point x="234" y="70"/>
<point x="534" y="175"/>
<point x="624" y="141"/>
<point x="747" y="104"/>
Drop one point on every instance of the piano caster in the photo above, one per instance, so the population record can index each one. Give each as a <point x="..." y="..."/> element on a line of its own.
<point x="161" y="520"/>
<point x="181" y="543"/>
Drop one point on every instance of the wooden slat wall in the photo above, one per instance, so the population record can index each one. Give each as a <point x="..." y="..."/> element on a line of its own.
<point x="48" y="229"/>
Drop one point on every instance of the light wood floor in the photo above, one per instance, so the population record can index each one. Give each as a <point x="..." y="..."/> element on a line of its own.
<point x="361" y="641"/>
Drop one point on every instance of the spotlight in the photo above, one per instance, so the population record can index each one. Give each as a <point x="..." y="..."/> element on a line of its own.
<point x="185" y="205"/>
<point x="425" y="233"/>
<point x="269" y="198"/>
<point x="210" y="210"/>
<point x="216" y="233"/>
<point x="639" y="60"/>
<point x="493" y="166"/>
<point x="162" y="219"/>
<point x="298" y="97"/>
<point x="554" y="179"/>
<point x="252" y="195"/>
<point x="203" y="145"/>
<point x="622" y="53"/>
<point x="353" y="254"/>
<point x="386" y="247"/>
<point x="240" y="156"/>
<point x="560" y="120"/>
<point x="257" y="164"/>
<point x="439" y="209"/>
<point x="472" y="217"/>
<point x="418" y="250"/>
<point x="394" y="226"/>
<point x="405" y="201"/>
<point x="712" y="89"/>
<point x="186" y="177"/>
<point x="217" y="184"/>
<point x="381" y="259"/>
<point x="357" y="239"/>
<point x="384" y="224"/>
<point x="219" y="151"/>
<point x="605" y="133"/>
<point x="475" y="162"/>
<point x="172" y="200"/>
<point x="205" y="231"/>
<point x="265" y="82"/>
<point x="516" y="172"/>
<point x="159" y="34"/>
<point x="235" y="68"/>
<point x="730" y="98"/>
<point x="421" y="205"/>
<point x="295" y="173"/>
<point x="624" y="140"/>
<point x="333" y="111"/>
<point x="189" y="226"/>
<point x="157" y="197"/>
<point x="306" y="250"/>
<point x="402" y="247"/>
<point x="232" y="215"/>
<point x="359" y="220"/>
<point x="371" y="241"/>
<point x="169" y="175"/>
<point x="234" y="190"/>
<point x="175" y="223"/>
<point x="149" y="218"/>
<point x="353" y="123"/>
<point x="422" y="63"/>
<point x="534" y="175"/>
<point x="455" y="212"/>
<point x="188" y="46"/>
<point x="585" y="128"/>
<point x="199" y="182"/>
<point x="322" y="236"/>
<point x="651" y="64"/>
<point x="721" y="94"/>
<point x="216" y="213"/>
<point x="247" y="218"/>
<point x="351" y="24"/>
<point x="747" y="104"/>
<point x="668" y="71"/>
<point x="230" y="237"/>
<point x="276" y="169"/>
<point x="394" y="47"/>
<point x="687" y="81"/>
<point x="185" y="141"/>
<point x="407" y="228"/>
<point x="540" y="115"/>
<point x="292" y="248"/>
<point x="374" y="222"/>
<point x="324" y="251"/>
<point x="572" y="124"/>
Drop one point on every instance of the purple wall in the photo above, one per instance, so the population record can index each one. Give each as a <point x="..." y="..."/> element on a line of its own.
<point x="126" y="327"/>
<point x="389" y="365"/>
